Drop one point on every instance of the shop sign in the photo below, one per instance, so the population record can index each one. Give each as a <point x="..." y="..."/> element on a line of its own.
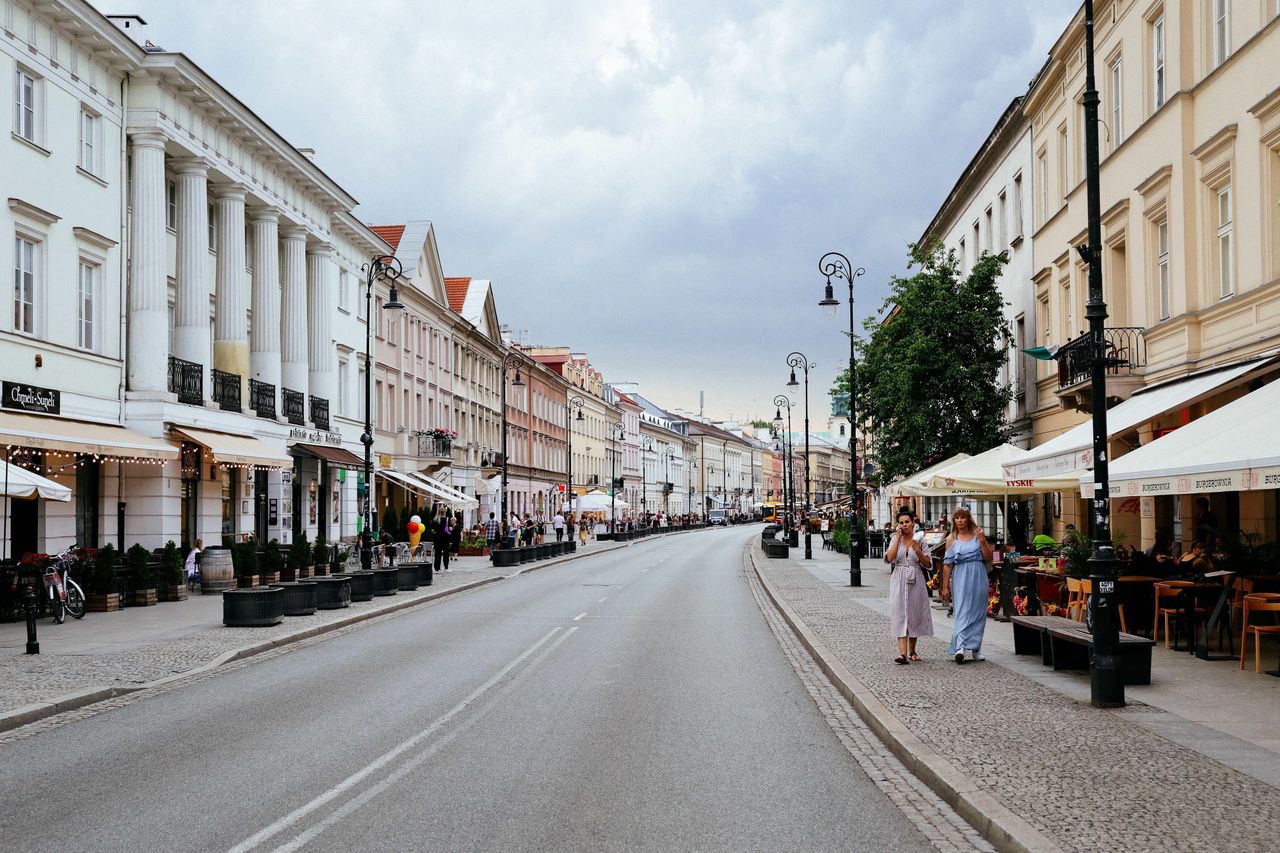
<point x="29" y="398"/>
<point x="315" y="436"/>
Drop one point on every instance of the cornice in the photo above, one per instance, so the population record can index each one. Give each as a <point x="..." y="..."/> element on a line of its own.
<point x="93" y="238"/>
<point x="1153" y="181"/>
<point x="39" y="214"/>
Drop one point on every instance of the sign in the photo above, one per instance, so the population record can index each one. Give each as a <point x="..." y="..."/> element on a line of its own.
<point x="315" y="436"/>
<point x="560" y="487"/>
<point x="1106" y="587"/>
<point x="385" y="460"/>
<point x="29" y="398"/>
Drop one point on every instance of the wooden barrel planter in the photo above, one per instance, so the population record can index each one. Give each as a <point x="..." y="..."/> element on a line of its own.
<point x="252" y="608"/>
<point x="386" y="581"/>
<point x="407" y="577"/>
<point x="505" y="557"/>
<point x="299" y="598"/>
<point x="333" y="592"/>
<point x="361" y="586"/>
<point x="216" y="571"/>
<point x="426" y="573"/>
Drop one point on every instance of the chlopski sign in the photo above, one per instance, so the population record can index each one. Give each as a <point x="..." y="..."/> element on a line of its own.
<point x="29" y="398"/>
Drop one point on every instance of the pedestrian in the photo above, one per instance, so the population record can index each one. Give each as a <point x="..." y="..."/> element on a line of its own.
<point x="583" y="524"/>
<point x="192" y="564"/>
<point x="441" y="538"/>
<point x="455" y="533"/>
<point x="529" y="531"/>
<point x="491" y="531"/>
<point x="388" y="546"/>
<point x="557" y="522"/>
<point x="909" y="615"/>
<point x="964" y="581"/>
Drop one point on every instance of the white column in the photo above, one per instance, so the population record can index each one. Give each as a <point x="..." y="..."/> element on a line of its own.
<point x="148" y="290"/>
<point x="264" y="342"/>
<point x="191" y="310"/>
<point x="321" y="304"/>
<point x="230" y="333"/>
<point x="293" y="309"/>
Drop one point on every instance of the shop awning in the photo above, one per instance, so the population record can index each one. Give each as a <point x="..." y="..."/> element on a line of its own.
<point x="1072" y="452"/>
<point x="489" y="486"/>
<point x="339" y="457"/>
<point x="235" y="450"/>
<point x="20" y="483"/>
<point x="984" y="475"/>
<point x="455" y="498"/>
<point x="67" y="436"/>
<point x="1233" y="448"/>
<point x="910" y="485"/>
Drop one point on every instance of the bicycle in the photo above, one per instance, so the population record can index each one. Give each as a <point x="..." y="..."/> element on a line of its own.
<point x="65" y="595"/>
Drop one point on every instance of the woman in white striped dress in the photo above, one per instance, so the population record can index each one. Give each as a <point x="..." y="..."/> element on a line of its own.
<point x="909" y="614"/>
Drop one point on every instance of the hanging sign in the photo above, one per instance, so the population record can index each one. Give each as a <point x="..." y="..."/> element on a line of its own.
<point x="29" y="398"/>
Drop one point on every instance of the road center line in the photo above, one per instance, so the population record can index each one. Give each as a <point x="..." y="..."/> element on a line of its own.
<point x="386" y="758"/>
<point x="578" y="618"/>
<point x="603" y="600"/>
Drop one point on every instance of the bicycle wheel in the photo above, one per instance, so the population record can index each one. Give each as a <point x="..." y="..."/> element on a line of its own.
<point x="75" y="600"/>
<point x="59" y="609"/>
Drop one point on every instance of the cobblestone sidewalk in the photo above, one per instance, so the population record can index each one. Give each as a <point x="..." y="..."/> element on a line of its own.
<point x="1088" y="779"/>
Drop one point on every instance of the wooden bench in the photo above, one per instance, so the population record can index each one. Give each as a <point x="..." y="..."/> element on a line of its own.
<point x="1072" y="648"/>
<point x="1031" y="635"/>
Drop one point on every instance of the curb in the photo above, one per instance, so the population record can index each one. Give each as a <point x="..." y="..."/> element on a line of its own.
<point x="987" y="814"/>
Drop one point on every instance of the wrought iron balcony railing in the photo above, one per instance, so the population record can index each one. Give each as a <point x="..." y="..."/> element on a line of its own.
<point x="320" y="412"/>
<point x="262" y="399"/>
<point x="292" y="402"/>
<point x="186" y="379"/>
<point x="226" y="390"/>
<point x="433" y="446"/>
<point x="1125" y="351"/>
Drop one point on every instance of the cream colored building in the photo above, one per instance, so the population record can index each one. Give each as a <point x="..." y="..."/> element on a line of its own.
<point x="1190" y="189"/>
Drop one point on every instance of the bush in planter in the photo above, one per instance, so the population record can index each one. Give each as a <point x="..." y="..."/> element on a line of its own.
<point x="299" y="554"/>
<point x="139" y="569"/>
<point x="391" y="524"/>
<point x="171" y="574"/>
<point x="321" y="554"/>
<point x="244" y="557"/>
<point x="272" y="559"/>
<point x="102" y="581"/>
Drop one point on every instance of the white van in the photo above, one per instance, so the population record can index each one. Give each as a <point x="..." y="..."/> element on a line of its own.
<point x="718" y="516"/>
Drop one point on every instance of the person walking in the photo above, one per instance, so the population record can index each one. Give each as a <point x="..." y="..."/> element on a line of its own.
<point x="909" y="615"/>
<point x="557" y="522"/>
<point x="455" y="533"/>
<point x="491" y="531"/>
<point x="583" y="524"/>
<point x="441" y="538"/>
<point x="964" y="581"/>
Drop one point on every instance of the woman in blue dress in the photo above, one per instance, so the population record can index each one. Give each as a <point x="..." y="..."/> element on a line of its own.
<point x="964" y="581"/>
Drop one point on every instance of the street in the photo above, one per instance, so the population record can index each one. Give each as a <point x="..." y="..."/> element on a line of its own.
<point x="635" y="700"/>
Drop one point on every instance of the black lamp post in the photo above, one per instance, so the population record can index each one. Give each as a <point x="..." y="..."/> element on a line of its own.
<point x="511" y="360"/>
<point x="724" y="474"/>
<point x="836" y="265"/>
<point x="788" y="465"/>
<point x="795" y="360"/>
<point x="383" y="268"/>
<point x="617" y="429"/>
<point x="1106" y="680"/>
<point x="578" y="403"/>
<point x="646" y="447"/>
<point x="666" y="479"/>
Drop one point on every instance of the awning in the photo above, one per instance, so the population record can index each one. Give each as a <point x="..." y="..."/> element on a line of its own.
<point x="18" y="482"/>
<point x="1072" y="452"/>
<point x="1233" y="448"/>
<point x="984" y="475"/>
<point x="401" y="480"/>
<point x="337" y="456"/>
<point x="916" y="481"/>
<point x="455" y="498"/>
<point x="489" y="486"/>
<point x="81" y="437"/>
<point x="236" y="450"/>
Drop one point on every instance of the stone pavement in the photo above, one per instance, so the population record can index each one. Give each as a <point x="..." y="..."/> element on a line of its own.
<point x="1058" y="772"/>
<point x="106" y="654"/>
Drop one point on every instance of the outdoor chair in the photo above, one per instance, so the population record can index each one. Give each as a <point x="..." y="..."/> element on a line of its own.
<point x="1254" y="604"/>
<point x="1168" y="590"/>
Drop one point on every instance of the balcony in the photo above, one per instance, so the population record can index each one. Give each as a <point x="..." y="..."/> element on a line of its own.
<point x="226" y="390"/>
<point x="593" y="480"/>
<point x="186" y="379"/>
<point x="262" y="399"/>
<point x="490" y="460"/>
<point x="320" y="412"/>
<point x="293" y="407"/>
<point x="430" y="446"/>
<point x="1125" y="354"/>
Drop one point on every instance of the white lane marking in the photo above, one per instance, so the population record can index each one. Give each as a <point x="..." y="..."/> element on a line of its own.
<point x="578" y="618"/>
<point x="386" y="758"/>
<point x="304" y="838"/>
<point x="603" y="600"/>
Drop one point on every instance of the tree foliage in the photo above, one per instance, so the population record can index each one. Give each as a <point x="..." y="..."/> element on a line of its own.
<point x="929" y="372"/>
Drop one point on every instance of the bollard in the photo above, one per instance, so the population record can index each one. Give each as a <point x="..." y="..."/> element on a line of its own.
<point x="33" y="645"/>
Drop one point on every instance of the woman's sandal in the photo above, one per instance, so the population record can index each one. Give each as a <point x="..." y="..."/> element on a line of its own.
<point x="915" y="658"/>
<point x="902" y="659"/>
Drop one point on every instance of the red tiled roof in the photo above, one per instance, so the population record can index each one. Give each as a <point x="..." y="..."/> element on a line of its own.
<point x="390" y="233"/>
<point x="456" y="288"/>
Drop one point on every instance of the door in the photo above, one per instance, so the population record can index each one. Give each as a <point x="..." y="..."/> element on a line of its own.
<point x="260" y="505"/>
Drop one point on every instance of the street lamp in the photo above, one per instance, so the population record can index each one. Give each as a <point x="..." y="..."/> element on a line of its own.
<point x="618" y="429"/>
<point x="666" y="480"/>
<point x="646" y="446"/>
<point x="788" y="487"/>
<point x="836" y="265"/>
<point x="1106" y="679"/>
<point x="511" y="360"/>
<point x="795" y="360"/>
<point x="382" y="268"/>
<point x="578" y="403"/>
<point x="724" y="468"/>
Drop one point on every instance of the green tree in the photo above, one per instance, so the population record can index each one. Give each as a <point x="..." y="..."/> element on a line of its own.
<point x="929" y="367"/>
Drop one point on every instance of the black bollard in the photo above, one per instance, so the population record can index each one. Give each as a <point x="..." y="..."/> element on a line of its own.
<point x="33" y="645"/>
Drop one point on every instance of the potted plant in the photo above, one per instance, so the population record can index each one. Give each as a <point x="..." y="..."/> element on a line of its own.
<point x="300" y="557"/>
<point x="103" y="595"/>
<point x="142" y="582"/>
<point x="321" y="556"/>
<point x="244" y="557"/>
<point x="473" y="545"/>
<point x="172" y="582"/>
<point x="272" y="562"/>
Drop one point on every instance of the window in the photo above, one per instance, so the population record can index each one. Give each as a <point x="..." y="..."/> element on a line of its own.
<point x="344" y="284"/>
<point x="1221" y="31"/>
<point x="86" y="305"/>
<point x="986" y="245"/>
<point x="1226" y="273"/>
<point x="25" y="255"/>
<point x="1047" y="325"/>
<point x="213" y="229"/>
<point x="360" y="393"/>
<point x="344" y="401"/>
<point x="1165" y="297"/>
<point x="89" y="129"/>
<point x="1016" y="230"/>
<point x="1157" y="54"/>
<point x="1043" y="177"/>
<point x="1063" y="156"/>
<point x="1117" y="104"/>
<point x="24" y="105"/>
<point x="1068" y="312"/>
<point x="1003" y="223"/>
<point x="171" y="205"/>
<point x="964" y="257"/>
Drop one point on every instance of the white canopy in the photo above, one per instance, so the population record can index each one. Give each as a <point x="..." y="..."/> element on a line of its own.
<point x="21" y="483"/>
<point x="597" y="502"/>
<point x="984" y="475"/>
<point x="446" y="493"/>
<point x="917" y="480"/>
<point x="1233" y="448"/>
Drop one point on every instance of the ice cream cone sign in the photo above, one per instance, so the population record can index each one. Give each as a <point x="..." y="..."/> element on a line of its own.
<point x="415" y="531"/>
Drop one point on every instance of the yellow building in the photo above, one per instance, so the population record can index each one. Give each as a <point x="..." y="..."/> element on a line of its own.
<point x="1190" y="188"/>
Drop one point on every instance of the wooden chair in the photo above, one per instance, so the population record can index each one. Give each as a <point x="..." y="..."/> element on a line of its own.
<point x="1166" y="589"/>
<point x="1078" y="592"/>
<point x="1258" y="603"/>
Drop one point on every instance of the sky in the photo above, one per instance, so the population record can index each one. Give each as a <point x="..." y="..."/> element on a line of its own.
<point x="649" y="182"/>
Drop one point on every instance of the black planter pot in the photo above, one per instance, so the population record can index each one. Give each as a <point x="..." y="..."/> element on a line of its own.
<point x="407" y="577"/>
<point x="542" y="551"/>
<point x="571" y="547"/>
<point x="300" y="597"/>
<point x="604" y="537"/>
<point x="251" y="608"/>
<point x="775" y="549"/>
<point x="386" y="581"/>
<point x="361" y="586"/>
<point x="333" y="592"/>
<point x="528" y="553"/>
<point x="426" y="574"/>
<point x="505" y="557"/>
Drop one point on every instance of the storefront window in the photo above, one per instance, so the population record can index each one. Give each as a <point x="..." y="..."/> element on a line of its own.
<point x="88" y="501"/>
<point x="228" y="500"/>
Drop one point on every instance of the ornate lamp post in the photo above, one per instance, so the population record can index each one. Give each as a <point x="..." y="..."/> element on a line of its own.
<point x="511" y="360"/>
<point x="578" y="403"/>
<point x="646" y="447"/>
<point x="384" y="268"/>
<point x="795" y="360"/>
<point x="836" y="265"/>
<point x="666" y="480"/>
<point x="617" y="429"/>
<point x="788" y="465"/>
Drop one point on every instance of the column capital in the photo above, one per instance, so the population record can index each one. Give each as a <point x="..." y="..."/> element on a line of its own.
<point x="265" y="213"/>
<point x="147" y="139"/>
<point x="320" y="249"/>
<point x="229" y="192"/>
<point x="197" y="166"/>
<point x="292" y="232"/>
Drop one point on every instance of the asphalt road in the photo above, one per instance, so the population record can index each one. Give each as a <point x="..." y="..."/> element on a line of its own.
<point x="631" y="701"/>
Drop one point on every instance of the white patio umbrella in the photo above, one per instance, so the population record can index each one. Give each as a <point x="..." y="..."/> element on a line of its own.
<point x="597" y="502"/>
<point x="27" y="485"/>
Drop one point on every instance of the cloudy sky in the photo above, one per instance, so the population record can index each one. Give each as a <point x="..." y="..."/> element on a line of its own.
<point x="651" y="182"/>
